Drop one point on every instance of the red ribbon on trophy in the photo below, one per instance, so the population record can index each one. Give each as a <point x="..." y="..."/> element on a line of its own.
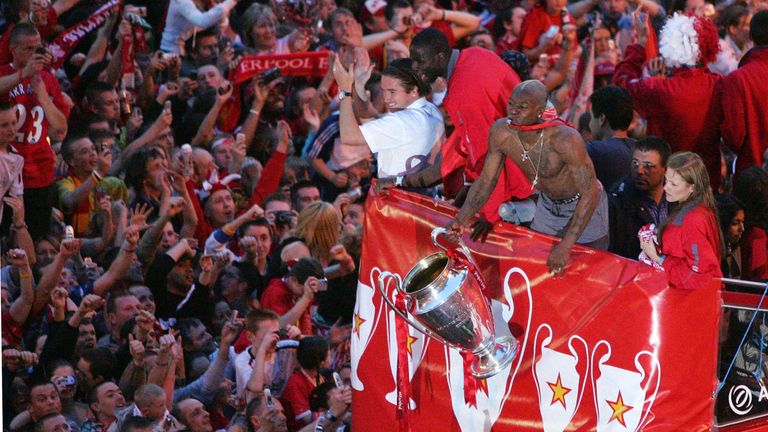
<point x="470" y="382"/>
<point x="403" y="384"/>
<point x="311" y="64"/>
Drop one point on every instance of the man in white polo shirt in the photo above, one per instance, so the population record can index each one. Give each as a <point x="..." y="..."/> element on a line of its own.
<point x="409" y="136"/>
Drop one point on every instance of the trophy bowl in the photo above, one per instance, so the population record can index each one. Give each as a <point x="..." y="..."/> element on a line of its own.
<point x="443" y="293"/>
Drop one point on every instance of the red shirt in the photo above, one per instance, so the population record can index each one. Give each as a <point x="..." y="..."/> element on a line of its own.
<point x="745" y="109"/>
<point x="535" y="24"/>
<point x="279" y="298"/>
<point x="691" y="243"/>
<point x="31" y="141"/>
<point x="295" y="398"/>
<point x="478" y="92"/>
<point x="683" y="109"/>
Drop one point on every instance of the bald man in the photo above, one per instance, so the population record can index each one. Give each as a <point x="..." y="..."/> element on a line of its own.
<point x="554" y="159"/>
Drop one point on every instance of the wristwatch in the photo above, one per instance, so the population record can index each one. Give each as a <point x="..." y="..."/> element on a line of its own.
<point x="343" y="94"/>
<point x="330" y="417"/>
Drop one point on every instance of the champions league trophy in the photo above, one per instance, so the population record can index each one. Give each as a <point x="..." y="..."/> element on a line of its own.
<point x="444" y="294"/>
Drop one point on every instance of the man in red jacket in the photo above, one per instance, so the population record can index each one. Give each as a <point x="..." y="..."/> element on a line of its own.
<point x="684" y="109"/>
<point x="744" y="101"/>
<point x="479" y="85"/>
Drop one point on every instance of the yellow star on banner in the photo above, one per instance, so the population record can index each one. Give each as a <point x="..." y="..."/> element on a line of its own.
<point x="558" y="391"/>
<point x="619" y="409"/>
<point x="358" y="322"/>
<point x="410" y="342"/>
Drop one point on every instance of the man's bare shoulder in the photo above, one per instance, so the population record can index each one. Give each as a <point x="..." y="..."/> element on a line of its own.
<point x="564" y="138"/>
<point x="501" y="126"/>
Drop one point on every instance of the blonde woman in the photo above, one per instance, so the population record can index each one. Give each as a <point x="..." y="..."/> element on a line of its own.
<point x="319" y="227"/>
<point x="259" y="33"/>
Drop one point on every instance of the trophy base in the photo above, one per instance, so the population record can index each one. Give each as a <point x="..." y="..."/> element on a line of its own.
<point x="493" y="361"/>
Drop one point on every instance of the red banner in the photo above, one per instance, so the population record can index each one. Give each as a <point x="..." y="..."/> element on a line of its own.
<point x="67" y="40"/>
<point x="608" y="347"/>
<point x="312" y="64"/>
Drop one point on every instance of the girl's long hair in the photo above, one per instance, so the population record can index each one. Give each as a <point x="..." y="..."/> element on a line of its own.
<point x="319" y="225"/>
<point x="691" y="168"/>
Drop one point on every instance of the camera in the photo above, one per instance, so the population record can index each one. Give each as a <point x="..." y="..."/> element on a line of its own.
<point x="41" y="50"/>
<point x="270" y="75"/>
<point x="284" y="218"/>
<point x="322" y="285"/>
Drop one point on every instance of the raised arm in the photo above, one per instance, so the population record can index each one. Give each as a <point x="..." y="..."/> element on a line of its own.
<point x="52" y="272"/>
<point x="222" y="96"/>
<point x="121" y="265"/>
<point x="348" y="127"/>
<point x="19" y="227"/>
<point x="23" y="305"/>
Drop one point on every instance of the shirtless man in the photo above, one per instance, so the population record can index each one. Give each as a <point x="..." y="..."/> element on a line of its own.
<point x="555" y="161"/>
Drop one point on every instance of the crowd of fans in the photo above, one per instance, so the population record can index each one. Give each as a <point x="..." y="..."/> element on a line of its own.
<point x="181" y="248"/>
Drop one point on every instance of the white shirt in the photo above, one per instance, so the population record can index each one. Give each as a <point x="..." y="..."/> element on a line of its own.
<point x="404" y="139"/>
<point x="244" y="368"/>
<point x="183" y="17"/>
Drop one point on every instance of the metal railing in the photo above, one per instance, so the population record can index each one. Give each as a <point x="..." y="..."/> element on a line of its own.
<point x="727" y="404"/>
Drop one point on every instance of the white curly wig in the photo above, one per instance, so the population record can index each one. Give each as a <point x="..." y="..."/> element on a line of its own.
<point x="678" y="43"/>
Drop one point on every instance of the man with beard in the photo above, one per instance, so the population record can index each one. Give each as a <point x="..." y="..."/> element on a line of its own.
<point x="479" y="84"/>
<point x="86" y="336"/>
<point x="104" y="400"/>
<point x="639" y="198"/>
<point x="171" y="278"/>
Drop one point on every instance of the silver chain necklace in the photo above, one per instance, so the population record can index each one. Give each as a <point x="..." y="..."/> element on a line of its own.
<point x="524" y="156"/>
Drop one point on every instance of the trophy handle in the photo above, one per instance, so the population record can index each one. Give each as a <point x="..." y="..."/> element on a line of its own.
<point x="404" y="315"/>
<point x="464" y="249"/>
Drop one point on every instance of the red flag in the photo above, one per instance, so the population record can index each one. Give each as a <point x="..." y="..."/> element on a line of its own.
<point x="67" y="40"/>
<point x="609" y="346"/>
<point x="652" y="43"/>
<point x="313" y="64"/>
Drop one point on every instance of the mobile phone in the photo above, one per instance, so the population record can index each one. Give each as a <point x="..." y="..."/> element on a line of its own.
<point x="268" y="398"/>
<point x="224" y="89"/>
<point x="551" y="32"/>
<point x="41" y="50"/>
<point x="193" y="76"/>
<point x="337" y="380"/>
<point x="322" y="284"/>
<point x="167" y="106"/>
<point x="69" y="232"/>
<point x="270" y="75"/>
